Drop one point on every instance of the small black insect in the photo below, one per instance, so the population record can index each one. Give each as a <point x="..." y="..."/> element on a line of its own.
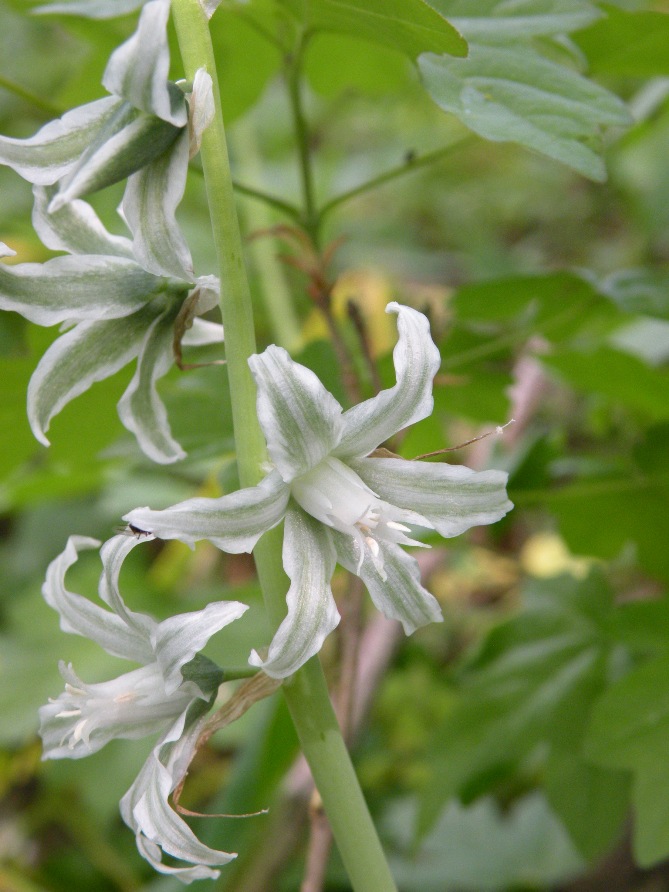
<point x="131" y="530"/>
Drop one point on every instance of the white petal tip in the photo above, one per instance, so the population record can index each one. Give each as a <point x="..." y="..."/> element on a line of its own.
<point x="6" y="251"/>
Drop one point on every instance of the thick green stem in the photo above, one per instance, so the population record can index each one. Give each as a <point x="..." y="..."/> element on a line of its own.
<point x="306" y="693"/>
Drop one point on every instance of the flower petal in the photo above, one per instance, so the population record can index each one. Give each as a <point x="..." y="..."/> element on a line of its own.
<point x="139" y="69"/>
<point x="86" y="717"/>
<point x="452" y="497"/>
<point x="76" y="228"/>
<point x="92" y="9"/>
<point x="309" y="561"/>
<point x="145" y="807"/>
<point x="400" y="595"/>
<point x="128" y="141"/>
<point x="82" y="617"/>
<point x="112" y="554"/>
<point x="180" y="637"/>
<point x="140" y="408"/>
<point x="149" y="204"/>
<point x="301" y="421"/>
<point x="416" y="363"/>
<point x="201" y="109"/>
<point x="88" y="353"/>
<point x="55" y="149"/>
<point x="234" y="523"/>
<point x="203" y="332"/>
<point x="66" y="288"/>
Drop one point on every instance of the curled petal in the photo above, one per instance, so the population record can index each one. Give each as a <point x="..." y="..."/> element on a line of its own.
<point x="140" y="408"/>
<point x="416" y="363"/>
<point x="55" y="149"/>
<point x="112" y="554"/>
<point x="301" y="421"/>
<point x="145" y="807"/>
<point x="76" y="228"/>
<point x="90" y="352"/>
<point x="65" y="288"/>
<point x="83" y="617"/>
<point x="139" y="69"/>
<point x="396" y="592"/>
<point x="452" y="497"/>
<point x="149" y="204"/>
<point x="180" y="637"/>
<point x="234" y="523"/>
<point x="309" y="561"/>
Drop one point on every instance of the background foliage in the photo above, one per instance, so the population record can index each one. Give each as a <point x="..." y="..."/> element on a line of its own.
<point x="523" y="745"/>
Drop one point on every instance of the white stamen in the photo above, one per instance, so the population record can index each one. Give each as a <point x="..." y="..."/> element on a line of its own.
<point x="393" y="525"/>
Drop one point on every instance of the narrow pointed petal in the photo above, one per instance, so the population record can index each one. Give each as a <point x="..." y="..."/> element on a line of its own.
<point x="92" y="9"/>
<point x="80" y="616"/>
<point x="139" y="69"/>
<point x="6" y="251"/>
<point x="149" y="205"/>
<point x="309" y="561"/>
<point x="55" y="149"/>
<point x="400" y="595"/>
<point x="180" y="637"/>
<point x="453" y="498"/>
<point x="301" y="421"/>
<point x="417" y="360"/>
<point x="127" y="142"/>
<point x="140" y="408"/>
<point x="90" y="352"/>
<point x="234" y="523"/>
<point x="76" y="228"/>
<point x="65" y="288"/>
<point x="112" y="554"/>
<point x="201" y="109"/>
<point x="145" y="807"/>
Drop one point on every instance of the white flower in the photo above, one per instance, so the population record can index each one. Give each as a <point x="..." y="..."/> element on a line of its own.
<point x="168" y="695"/>
<point x="340" y="503"/>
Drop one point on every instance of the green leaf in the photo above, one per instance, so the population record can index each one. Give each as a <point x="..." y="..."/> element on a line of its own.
<point x="497" y="21"/>
<point x="533" y="672"/>
<point x="591" y="801"/>
<point x="513" y="94"/>
<point x="411" y="26"/>
<point x="627" y="43"/>
<point x="630" y="730"/>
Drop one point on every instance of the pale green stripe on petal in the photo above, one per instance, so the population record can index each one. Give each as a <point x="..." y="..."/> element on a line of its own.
<point x="149" y="205"/>
<point x="139" y="69"/>
<point x="400" y="595"/>
<point x="80" y="616"/>
<point x="233" y="523"/>
<point x="92" y="9"/>
<point x="301" y="421"/>
<point x="74" y="288"/>
<point x="309" y="561"/>
<point x="140" y="408"/>
<point x="179" y="638"/>
<point x="90" y="352"/>
<point x="417" y="360"/>
<point x="75" y="228"/>
<point x="55" y="149"/>
<point x="452" y="497"/>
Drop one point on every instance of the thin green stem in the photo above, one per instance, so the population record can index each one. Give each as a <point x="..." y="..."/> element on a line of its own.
<point x="408" y="166"/>
<point x="293" y="75"/>
<point x="306" y="694"/>
<point x="43" y="105"/>
<point x="271" y="200"/>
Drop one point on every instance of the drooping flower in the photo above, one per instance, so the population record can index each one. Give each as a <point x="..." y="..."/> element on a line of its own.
<point x="116" y="308"/>
<point x="168" y="695"/>
<point x="341" y="503"/>
<point x="108" y="139"/>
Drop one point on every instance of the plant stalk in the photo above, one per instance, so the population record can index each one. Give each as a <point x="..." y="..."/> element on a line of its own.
<point x="306" y="693"/>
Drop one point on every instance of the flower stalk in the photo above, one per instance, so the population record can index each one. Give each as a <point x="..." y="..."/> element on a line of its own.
<point x="306" y="694"/>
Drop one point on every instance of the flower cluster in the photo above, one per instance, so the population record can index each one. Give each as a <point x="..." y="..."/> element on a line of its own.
<point x="120" y="299"/>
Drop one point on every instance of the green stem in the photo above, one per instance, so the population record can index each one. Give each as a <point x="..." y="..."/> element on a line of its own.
<point x="43" y="105"/>
<point x="306" y="694"/>
<point x="293" y="73"/>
